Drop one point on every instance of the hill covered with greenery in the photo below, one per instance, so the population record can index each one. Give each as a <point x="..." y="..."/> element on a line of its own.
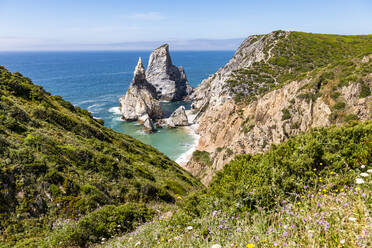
<point x="59" y="164"/>
<point x="313" y="190"/>
<point x="289" y="56"/>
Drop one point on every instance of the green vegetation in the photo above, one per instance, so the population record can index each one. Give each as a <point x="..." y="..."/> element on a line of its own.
<point x="202" y="157"/>
<point x="301" y="192"/>
<point x="286" y="114"/>
<point x="58" y="163"/>
<point x="295" y="55"/>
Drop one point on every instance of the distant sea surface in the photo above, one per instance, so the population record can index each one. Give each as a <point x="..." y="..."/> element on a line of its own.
<point x="96" y="80"/>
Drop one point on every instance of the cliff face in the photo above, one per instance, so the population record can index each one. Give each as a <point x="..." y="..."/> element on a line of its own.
<point x="170" y="81"/>
<point x="247" y="105"/>
<point x="141" y="98"/>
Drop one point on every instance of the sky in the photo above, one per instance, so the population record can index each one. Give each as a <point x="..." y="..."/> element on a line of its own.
<point x="188" y="25"/>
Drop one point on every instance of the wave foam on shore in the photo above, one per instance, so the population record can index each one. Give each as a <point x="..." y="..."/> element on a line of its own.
<point x="185" y="157"/>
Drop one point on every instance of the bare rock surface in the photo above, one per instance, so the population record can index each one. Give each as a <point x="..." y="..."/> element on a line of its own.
<point x="141" y="98"/>
<point x="170" y="81"/>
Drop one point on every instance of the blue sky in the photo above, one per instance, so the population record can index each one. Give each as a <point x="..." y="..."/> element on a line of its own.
<point x="103" y="24"/>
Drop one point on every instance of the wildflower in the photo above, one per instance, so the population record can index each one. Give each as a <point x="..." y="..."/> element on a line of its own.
<point x="362" y="166"/>
<point x="238" y="229"/>
<point x="216" y="246"/>
<point x="314" y="169"/>
<point x="352" y="219"/>
<point x="321" y="163"/>
<point x="250" y="245"/>
<point x="342" y="241"/>
<point x="357" y="188"/>
<point x="364" y="174"/>
<point x="285" y="234"/>
<point x="189" y="228"/>
<point x="220" y="227"/>
<point x="359" y="181"/>
<point x="178" y="197"/>
<point x="275" y="243"/>
<point x="369" y="171"/>
<point x="214" y="213"/>
<point x="332" y="172"/>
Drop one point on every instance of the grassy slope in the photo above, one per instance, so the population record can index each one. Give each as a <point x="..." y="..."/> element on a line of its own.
<point x="298" y="55"/>
<point x="302" y="191"/>
<point x="57" y="162"/>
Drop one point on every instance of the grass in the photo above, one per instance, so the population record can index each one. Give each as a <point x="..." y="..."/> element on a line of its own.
<point x="249" y="204"/>
<point x="59" y="163"/>
<point x="298" y="55"/>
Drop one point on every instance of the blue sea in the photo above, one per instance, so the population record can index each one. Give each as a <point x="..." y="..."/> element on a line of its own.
<point x="96" y="80"/>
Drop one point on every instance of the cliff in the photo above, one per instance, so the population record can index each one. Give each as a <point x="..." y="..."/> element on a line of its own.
<point x="279" y="85"/>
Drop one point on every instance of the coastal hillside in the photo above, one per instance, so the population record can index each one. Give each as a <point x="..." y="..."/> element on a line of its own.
<point x="313" y="190"/>
<point x="60" y="167"/>
<point x="278" y="85"/>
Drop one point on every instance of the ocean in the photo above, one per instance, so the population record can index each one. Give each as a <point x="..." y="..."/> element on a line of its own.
<point x="96" y="80"/>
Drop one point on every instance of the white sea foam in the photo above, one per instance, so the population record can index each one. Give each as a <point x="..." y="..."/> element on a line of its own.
<point x="115" y="110"/>
<point x="118" y="118"/>
<point x="185" y="157"/>
<point x="95" y="107"/>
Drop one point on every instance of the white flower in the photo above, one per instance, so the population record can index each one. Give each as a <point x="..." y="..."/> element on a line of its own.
<point x="103" y="239"/>
<point x="364" y="174"/>
<point x="342" y="241"/>
<point x="352" y="219"/>
<point x="362" y="166"/>
<point x="359" y="181"/>
<point x="216" y="246"/>
<point x="369" y="171"/>
<point x="189" y="228"/>
<point x="138" y="243"/>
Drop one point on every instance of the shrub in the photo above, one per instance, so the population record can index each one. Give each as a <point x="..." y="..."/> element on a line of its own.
<point x="202" y="157"/>
<point x="286" y="114"/>
<point x="339" y="106"/>
<point x="102" y="223"/>
<point x="365" y="90"/>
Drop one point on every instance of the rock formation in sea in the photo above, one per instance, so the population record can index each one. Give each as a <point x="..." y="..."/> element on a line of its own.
<point x="170" y="81"/>
<point x="141" y="98"/>
<point x="178" y="118"/>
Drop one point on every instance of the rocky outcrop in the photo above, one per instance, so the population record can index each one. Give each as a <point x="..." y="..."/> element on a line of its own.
<point x="141" y="98"/>
<point x="227" y="127"/>
<point x="170" y="81"/>
<point x="178" y="118"/>
<point x="148" y="125"/>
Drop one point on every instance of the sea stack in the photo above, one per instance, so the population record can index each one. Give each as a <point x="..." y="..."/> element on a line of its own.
<point x="141" y="98"/>
<point x="170" y="81"/>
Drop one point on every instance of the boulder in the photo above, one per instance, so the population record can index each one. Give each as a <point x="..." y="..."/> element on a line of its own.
<point x="141" y="98"/>
<point x="148" y="125"/>
<point x="178" y="118"/>
<point x="170" y="81"/>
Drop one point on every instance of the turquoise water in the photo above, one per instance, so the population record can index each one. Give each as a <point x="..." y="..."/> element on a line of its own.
<point x="96" y="80"/>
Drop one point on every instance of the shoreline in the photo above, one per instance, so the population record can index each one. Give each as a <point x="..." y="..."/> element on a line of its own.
<point x="185" y="157"/>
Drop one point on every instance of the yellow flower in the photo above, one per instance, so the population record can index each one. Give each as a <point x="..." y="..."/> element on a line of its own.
<point x="314" y="169"/>
<point x="342" y="189"/>
<point x="321" y="163"/>
<point x="357" y="188"/>
<point x="331" y="172"/>
<point x="250" y="245"/>
<point x="178" y="197"/>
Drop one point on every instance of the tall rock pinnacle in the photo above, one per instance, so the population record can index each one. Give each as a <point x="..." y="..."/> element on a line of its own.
<point x="170" y="82"/>
<point x="141" y="98"/>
